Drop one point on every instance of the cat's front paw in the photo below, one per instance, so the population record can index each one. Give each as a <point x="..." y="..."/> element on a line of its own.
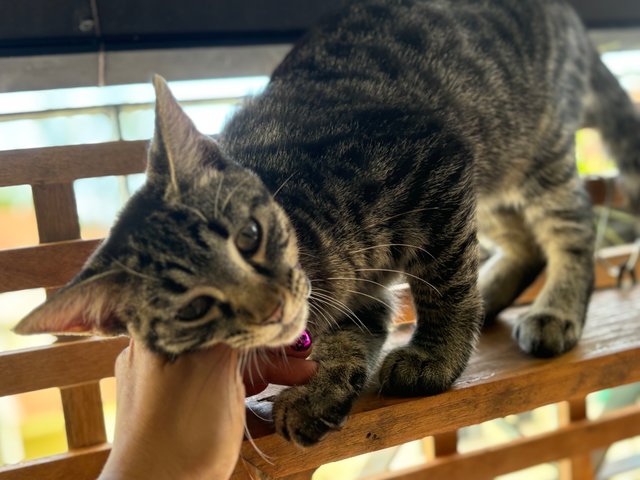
<point x="305" y="416"/>
<point x="410" y="371"/>
<point x="546" y="334"/>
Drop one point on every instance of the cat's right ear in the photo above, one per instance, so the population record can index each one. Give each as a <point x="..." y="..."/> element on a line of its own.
<point x="178" y="150"/>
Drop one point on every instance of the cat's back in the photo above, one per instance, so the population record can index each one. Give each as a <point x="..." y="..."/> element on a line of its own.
<point x="486" y="69"/>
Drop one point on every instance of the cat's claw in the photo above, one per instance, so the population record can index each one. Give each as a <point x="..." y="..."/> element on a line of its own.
<point x="545" y="334"/>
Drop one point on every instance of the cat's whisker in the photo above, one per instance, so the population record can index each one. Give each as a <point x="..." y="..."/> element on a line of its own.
<point x="331" y="322"/>
<point x="342" y="306"/>
<point x="266" y="358"/>
<point x="247" y="433"/>
<point x="195" y="211"/>
<point x="353" y="278"/>
<point x="283" y="355"/>
<point x="232" y="192"/>
<point x="316" y="311"/>
<point x="245" y="359"/>
<point x="415" y="210"/>
<point x="394" y="245"/>
<point x="215" y="202"/>
<point x="242" y="361"/>
<point x="132" y="271"/>
<point x="334" y="322"/>
<point x="248" y="368"/>
<point x="359" y="322"/>
<point x="401" y="273"/>
<point x="264" y="419"/>
<point x="283" y="184"/>
<point x="371" y="297"/>
<point x="256" y="364"/>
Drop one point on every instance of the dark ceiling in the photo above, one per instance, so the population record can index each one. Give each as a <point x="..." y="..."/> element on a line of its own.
<point x="42" y="26"/>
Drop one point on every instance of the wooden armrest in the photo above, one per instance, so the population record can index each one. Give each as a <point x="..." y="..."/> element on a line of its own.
<point x="500" y="380"/>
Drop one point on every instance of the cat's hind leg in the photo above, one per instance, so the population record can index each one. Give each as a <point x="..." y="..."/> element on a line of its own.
<point x="346" y="356"/>
<point x="561" y="221"/>
<point x="449" y="315"/>
<point x="516" y="259"/>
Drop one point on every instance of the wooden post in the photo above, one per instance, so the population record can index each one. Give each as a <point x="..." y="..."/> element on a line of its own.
<point x="57" y="217"/>
<point x="578" y="467"/>
<point x="446" y="443"/>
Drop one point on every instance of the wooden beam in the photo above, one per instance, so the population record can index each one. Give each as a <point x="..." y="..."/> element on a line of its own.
<point x="82" y="464"/>
<point x="578" y="467"/>
<point x="59" y="365"/>
<point x="56" y="212"/>
<point x="500" y="380"/>
<point x="603" y="278"/>
<point x="40" y="166"/>
<point x="570" y="441"/>
<point x="49" y="265"/>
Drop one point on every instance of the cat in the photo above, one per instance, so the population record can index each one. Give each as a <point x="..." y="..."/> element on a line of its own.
<point x="391" y="138"/>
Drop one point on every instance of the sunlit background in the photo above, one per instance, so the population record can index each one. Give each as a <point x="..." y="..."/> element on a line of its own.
<point x="32" y="425"/>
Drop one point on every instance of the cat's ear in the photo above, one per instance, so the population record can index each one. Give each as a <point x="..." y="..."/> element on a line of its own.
<point x="178" y="150"/>
<point x="88" y="307"/>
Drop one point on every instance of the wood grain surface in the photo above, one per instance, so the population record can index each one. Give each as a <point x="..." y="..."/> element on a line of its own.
<point x="570" y="441"/>
<point x="82" y="464"/>
<point x="500" y="380"/>
<point x="49" y="265"/>
<point x="39" y="166"/>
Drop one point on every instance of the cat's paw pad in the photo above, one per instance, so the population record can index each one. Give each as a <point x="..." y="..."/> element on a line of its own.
<point x="545" y="334"/>
<point x="304" y="418"/>
<point x="410" y="371"/>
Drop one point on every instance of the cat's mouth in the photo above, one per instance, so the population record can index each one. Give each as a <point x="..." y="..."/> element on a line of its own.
<point x="276" y="315"/>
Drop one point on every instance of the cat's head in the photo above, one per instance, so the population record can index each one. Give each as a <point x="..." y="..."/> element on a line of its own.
<point x="201" y="254"/>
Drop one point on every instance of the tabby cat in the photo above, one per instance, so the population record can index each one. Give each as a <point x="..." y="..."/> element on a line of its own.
<point x="388" y="140"/>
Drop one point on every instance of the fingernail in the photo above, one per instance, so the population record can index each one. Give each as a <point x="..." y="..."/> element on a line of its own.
<point x="303" y="343"/>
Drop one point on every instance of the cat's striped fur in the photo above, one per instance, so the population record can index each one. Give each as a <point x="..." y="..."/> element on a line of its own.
<point x="392" y="133"/>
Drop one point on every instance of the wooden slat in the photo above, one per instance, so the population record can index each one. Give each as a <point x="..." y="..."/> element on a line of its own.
<point x="65" y="164"/>
<point x="601" y="188"/>
<point x="59" y="365"/>
<point x="445" y="443"/>
<point x="499" y="381"/>
<point x="83" y="464"/>
<point x="83" y="404"/>
<point x="50" y="265"/>
<point x="57" y="218"/>
<point x="612" y="255"/>
<point x="56" y="212"/>
<point x="578" y="467"/>
<point x="572" y="440"/>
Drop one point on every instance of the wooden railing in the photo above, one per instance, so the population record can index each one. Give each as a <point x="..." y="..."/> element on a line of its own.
<point x="499" y="381"/>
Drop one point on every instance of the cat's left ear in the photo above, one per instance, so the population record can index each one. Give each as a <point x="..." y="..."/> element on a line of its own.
<point x="85" y="308"/>
<point x="178" y="150"/>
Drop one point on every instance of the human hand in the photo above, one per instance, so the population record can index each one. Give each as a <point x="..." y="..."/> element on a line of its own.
<point x="185" y="419"/>
<point x="180" y="420"/>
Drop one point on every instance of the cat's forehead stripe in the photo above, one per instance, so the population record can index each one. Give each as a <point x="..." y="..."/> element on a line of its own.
<point x="218" y="228"/>
<point x="173" y="286"/>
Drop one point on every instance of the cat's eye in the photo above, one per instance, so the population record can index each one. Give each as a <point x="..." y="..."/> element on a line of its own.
<point x="249" y="237"/>
<point x="196" y="308"/>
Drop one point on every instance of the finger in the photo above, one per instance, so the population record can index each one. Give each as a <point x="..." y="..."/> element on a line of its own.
<point x="124" y="358"/>
<point x="252" y="389"/>
<point x="281" y="371"/>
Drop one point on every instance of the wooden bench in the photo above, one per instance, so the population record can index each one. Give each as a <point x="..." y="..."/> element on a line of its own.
<point x="499" y="381"/>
